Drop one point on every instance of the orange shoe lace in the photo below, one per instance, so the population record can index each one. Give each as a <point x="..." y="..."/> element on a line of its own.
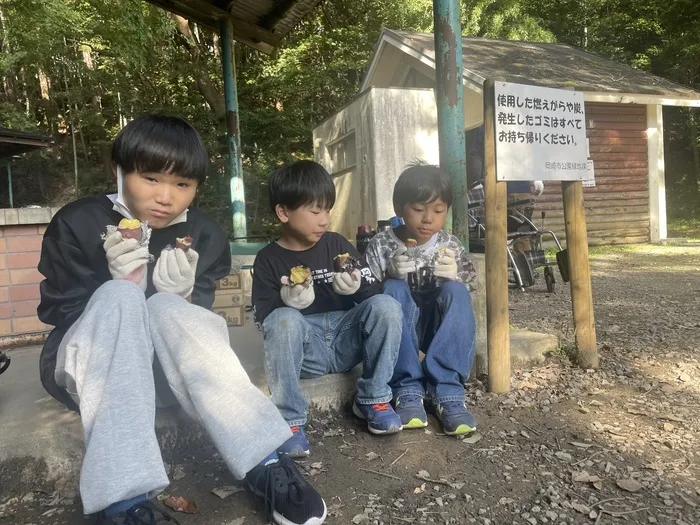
<point x="295" y="429"/>
<point x="381" y="407"/>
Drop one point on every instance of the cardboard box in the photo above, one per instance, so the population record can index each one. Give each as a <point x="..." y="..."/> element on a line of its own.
<point x="234" y="315"/>
<point x="225" y="298"/>
<point x="231" y="282"/>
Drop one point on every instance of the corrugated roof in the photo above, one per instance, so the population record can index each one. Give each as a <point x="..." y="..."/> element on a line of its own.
<point x="549" y="65"/>
<point x="260" y="24"/>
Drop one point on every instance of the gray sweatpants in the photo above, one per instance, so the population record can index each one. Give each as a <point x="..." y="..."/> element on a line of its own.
<point x="105" y="362"/>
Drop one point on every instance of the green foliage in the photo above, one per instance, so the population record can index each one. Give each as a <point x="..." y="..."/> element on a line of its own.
<point x="88" y="66"/>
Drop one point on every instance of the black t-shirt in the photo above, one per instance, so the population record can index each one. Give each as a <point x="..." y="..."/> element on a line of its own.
<point x="273" y="262"/>
<point x="74" y="263"/>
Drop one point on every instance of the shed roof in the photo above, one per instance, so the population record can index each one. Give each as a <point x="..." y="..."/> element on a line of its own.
<point x="260" y="24"/>
<point x="14" y="142"/>
<point x="549" y="65"/>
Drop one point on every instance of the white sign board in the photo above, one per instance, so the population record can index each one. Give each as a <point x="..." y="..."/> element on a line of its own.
<point x="540" y="133"/>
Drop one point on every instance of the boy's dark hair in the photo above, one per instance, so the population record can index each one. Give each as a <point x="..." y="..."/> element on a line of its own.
<point x="421" y="183"/>
<point x="161" y="144"/>
<point x="304" y="182"/>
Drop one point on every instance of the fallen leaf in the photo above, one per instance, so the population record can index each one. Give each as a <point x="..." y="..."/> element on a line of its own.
<point x="584" y="477"/>
<point x="629" y="484"/>
<point x="583" y="509"/>
<point x="225" y="491"/>
<point x="525" y="434"/>
<point x="684" y="377"/>
<point x="581" y="445"/>
<point x="598" y="485"/>
<point x="318" y="465"/>
<point x="564" y="456"/>
<point x="419" y="490"/>
<point x="668" y="427"/>
<point x="423" y="474"/>
<point x="237" y="521"/>
<point x="359" y="518"/>
<point x="180" y="504"/>
<point x="178" y="473"/>
<point x="593" y="515"/>
<point x="472" y="438"/>
<point x="371" y="456"/>
<point x="596" y="403"/>
<point x="637" y="412"/>
<point x="584" y="410"/>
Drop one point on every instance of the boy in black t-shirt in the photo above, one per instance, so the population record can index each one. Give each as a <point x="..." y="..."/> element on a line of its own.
<point x="128" y="331"/>
<point x="318" y="318"/>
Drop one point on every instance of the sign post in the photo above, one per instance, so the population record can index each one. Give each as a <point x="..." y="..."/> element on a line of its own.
<point x="495" y="208"/>
<point x="534" y="133"/>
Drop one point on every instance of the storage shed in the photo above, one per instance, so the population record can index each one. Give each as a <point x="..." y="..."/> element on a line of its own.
<point x="623" y="119"/>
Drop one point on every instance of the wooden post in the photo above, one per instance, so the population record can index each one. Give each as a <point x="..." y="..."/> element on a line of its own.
<point x="495" y="196"/>
<point x="579" y="274"/>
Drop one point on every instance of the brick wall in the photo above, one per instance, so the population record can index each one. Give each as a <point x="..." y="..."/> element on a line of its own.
<point x="21" y="232"/>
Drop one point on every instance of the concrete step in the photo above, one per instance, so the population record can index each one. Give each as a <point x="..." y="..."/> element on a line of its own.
<point x="36" y="430"/>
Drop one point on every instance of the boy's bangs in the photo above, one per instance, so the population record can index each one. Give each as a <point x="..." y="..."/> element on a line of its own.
<point x="161" y="145"/>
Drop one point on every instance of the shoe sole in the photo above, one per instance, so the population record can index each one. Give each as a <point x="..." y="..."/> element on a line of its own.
<point x="460" y="430"/>
<point x="416" y="422"/>
<point x="390" y="430"/>
<point x="281" y="520"/>
<point x="296" y="453"/>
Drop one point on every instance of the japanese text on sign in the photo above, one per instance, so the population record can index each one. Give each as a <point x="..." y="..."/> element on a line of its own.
<point x="540" y="133"/>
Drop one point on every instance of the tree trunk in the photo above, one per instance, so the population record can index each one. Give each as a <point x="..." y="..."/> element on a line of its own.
<point x="694" y="147"/>
<point x="209" y="91"/>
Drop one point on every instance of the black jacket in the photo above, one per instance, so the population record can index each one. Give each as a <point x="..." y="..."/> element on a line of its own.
<point x="74" y="263"/>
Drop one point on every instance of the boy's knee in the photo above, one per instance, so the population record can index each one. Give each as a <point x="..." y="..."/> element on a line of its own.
<point x="454" y="291"/>
<point x="385" y="306"/>
<point x="161" y="304"/>
<point x="282" y="320"/>
<point x="396" y="287"/>
<point x="119" y="292"/>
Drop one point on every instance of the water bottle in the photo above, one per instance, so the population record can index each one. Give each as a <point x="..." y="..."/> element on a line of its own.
<point x="364" y="235"/>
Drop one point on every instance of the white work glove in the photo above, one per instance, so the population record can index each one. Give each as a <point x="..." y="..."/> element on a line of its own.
<point x="537" y="187"/>
<point x="175" y="272"/>
<point x="299" y="296"/>
<point x="446" y="266"/>
<point x="400" y="264"/>
<point x="345" y="283"/>
<point x="127" y="259"/>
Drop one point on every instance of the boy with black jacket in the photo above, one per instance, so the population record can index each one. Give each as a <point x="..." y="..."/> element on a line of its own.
<point x="321" y="313"/>
<point x="128" y="331"/>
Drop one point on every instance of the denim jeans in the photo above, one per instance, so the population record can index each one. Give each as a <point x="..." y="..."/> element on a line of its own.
<point x="441" y="324"/>
<point x="305" y="346"/>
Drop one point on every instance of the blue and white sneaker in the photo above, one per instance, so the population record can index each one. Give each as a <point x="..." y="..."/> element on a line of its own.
<point x="296" y="446"/>
<point x="380" y="417"/>
<point x="456" y="420"/>
<point x="410" y="409"/>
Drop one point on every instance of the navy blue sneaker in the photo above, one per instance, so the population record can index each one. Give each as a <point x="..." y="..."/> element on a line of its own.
<point x="296" y="446"/>
<point x="456" y="420"/>
<point x="411" y="411"/>
<point x="380" y="417"/>
<point x="145" y="513"/>
<point x="287" y="497"/>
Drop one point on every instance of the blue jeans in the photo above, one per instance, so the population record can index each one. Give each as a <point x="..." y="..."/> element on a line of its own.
<point x="442" y="325"/>
<point x="305" y="346"/>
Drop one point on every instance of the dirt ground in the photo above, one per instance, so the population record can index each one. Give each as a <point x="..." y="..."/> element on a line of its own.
<point x="620" y="444"/>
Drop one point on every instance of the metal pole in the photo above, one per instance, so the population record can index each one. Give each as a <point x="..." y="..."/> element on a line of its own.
<point x="9" y="182"/>
<point x="234" y="138"/>
<point x="450" y="107"/>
